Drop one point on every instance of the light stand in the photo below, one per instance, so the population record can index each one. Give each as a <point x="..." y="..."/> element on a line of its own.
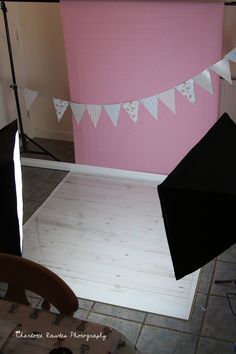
<point x="24" y="137"/>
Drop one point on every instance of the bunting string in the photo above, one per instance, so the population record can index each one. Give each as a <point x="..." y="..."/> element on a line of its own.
<point x="186" y="88"/>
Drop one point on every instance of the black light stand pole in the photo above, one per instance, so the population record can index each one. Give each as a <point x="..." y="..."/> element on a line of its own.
<point x="23" y="136"/>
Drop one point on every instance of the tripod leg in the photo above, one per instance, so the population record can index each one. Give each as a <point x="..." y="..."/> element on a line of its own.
<point x="40" y="147"/>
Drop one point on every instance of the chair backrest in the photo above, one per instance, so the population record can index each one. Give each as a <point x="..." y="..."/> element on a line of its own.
<point x="22" y="274"/>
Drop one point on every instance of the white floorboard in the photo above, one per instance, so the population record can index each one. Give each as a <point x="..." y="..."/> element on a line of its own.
<point x="105" y="237"/>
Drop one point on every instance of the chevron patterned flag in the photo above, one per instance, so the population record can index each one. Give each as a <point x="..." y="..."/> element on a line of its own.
<point x="94" y="112"/>
<point x="151" y="104"/>
<point x="77" y="110"/>
<point x="168" y="98"/>
<point x="113" y="111"/>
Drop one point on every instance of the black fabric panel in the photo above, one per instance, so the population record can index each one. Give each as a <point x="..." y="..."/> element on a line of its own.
<point x="7" y="142"/>
<point x="198" y="200"/>
<point x="9" y="224"/>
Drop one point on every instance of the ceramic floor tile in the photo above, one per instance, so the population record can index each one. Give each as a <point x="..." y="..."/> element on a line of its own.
<point x="219" y="322"/>
<point x="193" y="325"/>
<point x="81" y="314"/>
<point x="224" y="271"/>
<point x="35" y="173"/>
<point x="32" y="178"/>
<point x="155" y="340"/>
<point x="43" y="192"/>
<point x="121" y="312"/>
<point x="53" y="309"/>
<point x="34" y="301"/>
<point x="29" y="208"/>
<point x="85" y="304"/>
<point x="229" y="255"/>
<point x="2" y="293"/>
<point x="128" y="328"/>
<point x="212" y="346"/>
<point x="57" y="176"/>
<point x="206" y="277"/>
<point x="33" y="295"/>
<point x="3" y="286"/>
<point x="3" y="289"/>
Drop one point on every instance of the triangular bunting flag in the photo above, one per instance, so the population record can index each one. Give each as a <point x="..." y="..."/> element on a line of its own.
<point x="222" y="68"/>
<point x="78" y="110"/>
<point x="132" y="110"/>
<point x="232" y="55"/>
<point x="187" y="90"/>
<point x="94" y="112"/>
<point x="29" y="96"/>
<point x="168" y="98"/>
<point x="113" y="111"/>
<point x="60" y="107"/>
<point x="204" y="80"/>
<point x="151" y="104"/>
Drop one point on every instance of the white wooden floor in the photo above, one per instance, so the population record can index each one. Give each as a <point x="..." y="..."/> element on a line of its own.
<point x="105" y="237"/>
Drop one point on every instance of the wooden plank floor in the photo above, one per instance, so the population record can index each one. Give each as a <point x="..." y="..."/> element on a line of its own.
<point x="105" y="237"/>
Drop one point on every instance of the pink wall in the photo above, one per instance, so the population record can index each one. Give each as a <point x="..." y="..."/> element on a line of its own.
<point x="123" y="50"/>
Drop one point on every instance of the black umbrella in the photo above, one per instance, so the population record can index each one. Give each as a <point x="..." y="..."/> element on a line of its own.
<point x="198" y="200"/>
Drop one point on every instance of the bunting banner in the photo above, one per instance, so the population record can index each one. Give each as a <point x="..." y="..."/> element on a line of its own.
<point x="151" y="103"/>
<point x="168" y="98"/>
<point x="132" y="109"/>
<point x="29" y="96"/>
<point x="113" y="111"/>
<point x="77" y="110"/>
<point x="204" y="80"/>
<point x="187" y="90"/>
<point x="232" y="55"/>
<point x="222" y="68"/>
<point x="60" y="107"/>
<point x="94" y="112"/>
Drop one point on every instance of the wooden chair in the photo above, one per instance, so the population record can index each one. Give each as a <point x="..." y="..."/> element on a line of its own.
<point x="21" y="274"/>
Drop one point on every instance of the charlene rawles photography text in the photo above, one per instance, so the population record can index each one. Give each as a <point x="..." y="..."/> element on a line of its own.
<point x="49" y="335"/>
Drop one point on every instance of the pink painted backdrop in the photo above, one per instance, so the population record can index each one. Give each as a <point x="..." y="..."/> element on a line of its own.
<point x="119" y="51"/>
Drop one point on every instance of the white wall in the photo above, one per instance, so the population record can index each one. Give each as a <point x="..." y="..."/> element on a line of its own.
<point x="39" y="57"/>
<point x="42" y="45"/>
<point x="7" y="103"/>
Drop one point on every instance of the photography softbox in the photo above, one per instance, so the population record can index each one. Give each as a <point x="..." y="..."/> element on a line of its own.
<point x="198" y="200"/>
<point x="9" y="222"/>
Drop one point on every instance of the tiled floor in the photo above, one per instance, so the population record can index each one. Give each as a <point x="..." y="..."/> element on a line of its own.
<point x="212" y="327"/>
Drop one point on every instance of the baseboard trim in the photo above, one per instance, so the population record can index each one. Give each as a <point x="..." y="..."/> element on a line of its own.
<point x="93" y="170"/>
<point x="55" y="135"/>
